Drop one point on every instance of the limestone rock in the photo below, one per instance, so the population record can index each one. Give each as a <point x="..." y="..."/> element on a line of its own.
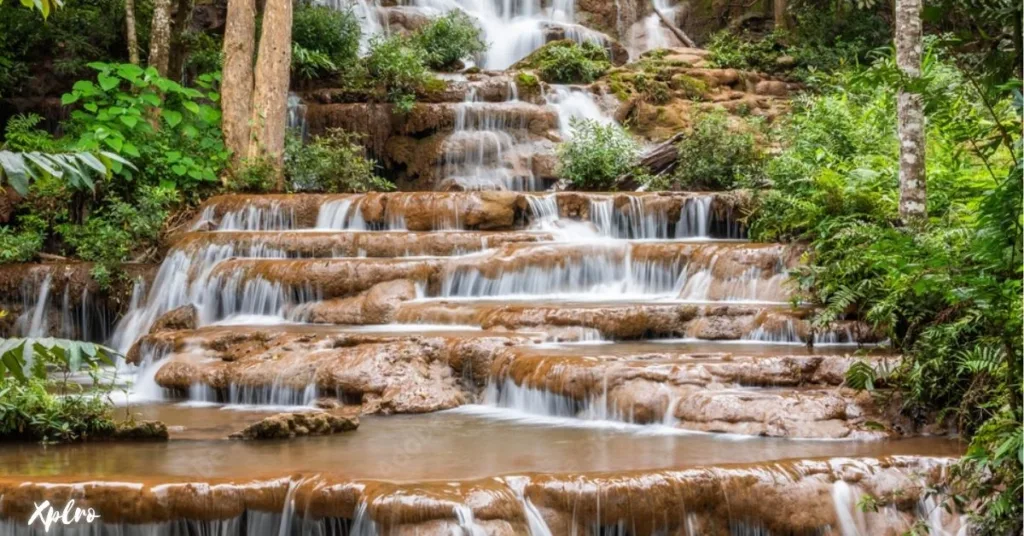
<point x="140" y="431"/>
<point x="181" y="318"/>
<point x="292" y="425"/>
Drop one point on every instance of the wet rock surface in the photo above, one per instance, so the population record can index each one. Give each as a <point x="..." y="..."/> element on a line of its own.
<point x="292" y="425"/>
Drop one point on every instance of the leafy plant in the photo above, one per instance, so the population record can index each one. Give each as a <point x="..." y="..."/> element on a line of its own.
<point x="566" y="62"/>
<point x="171" y="130"/>
<point x="596" y="154"/>
<point x="716" y="156"/>
<point x="332" y="34"/>
<point x="334" y="162"/>
<point x="80" y="169"/>
<point x="22" y="358"/>
<point x="449" y="39"/>
<point x="398" y="66"/>
<point x="254" y="175"/>
<point x="311" y="64"/>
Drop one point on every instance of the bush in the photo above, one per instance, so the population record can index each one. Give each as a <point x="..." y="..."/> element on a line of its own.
<point x="120" y="231"/>
<point x="184" y="149"/>
<point x="332" y="33"/>
<point x="398" y="67"/>
<point x="596" y="154"/>
<point x="255" y="175"/>
<point x="565" y="62"/>
<point x="331" y="163"/>
<point x="30" y="412"/>
<point x="311" y="64"/>
<point x="20" y="245"/>
<point x="450" y="39"/>
<point x="714" y="156"/>
<point x="946" y="291"/>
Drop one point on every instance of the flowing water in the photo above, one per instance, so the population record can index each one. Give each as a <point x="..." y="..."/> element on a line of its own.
<point x="524" y="361"/>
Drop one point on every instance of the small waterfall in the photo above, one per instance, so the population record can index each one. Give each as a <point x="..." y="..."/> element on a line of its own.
<point x="482" y="152"/>
<point x="35" y="321"/>
<point x="638" y="221"/>
<point x="250" y="218"/>
<point x="297" y="116"/>
<point x="344" y="214"/>
<point x="574" y="103"/>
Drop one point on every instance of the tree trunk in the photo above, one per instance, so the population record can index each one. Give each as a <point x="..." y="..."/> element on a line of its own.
<point x="910" y="112"/>
<point x="779" y="8"/>
<point x="270" y="99"/>
<point x="179" y="50"/>
<point x="133" y="40"/>
<point x="160" y="36"/>
<point x="236" y="82"/>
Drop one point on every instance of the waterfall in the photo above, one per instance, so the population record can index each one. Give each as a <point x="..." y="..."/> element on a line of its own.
<point x="574" y="103"/>
<point x="297" y="116"/>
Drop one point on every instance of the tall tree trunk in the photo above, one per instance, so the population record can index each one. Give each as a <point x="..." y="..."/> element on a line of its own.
<point x="160" y="36"/>
<point x="133" y="40"/>
<point x="910" y="112"/>
<point x="270" y="99"/>
<point x="236" y="81"/>
<point x="179" y="50"/>
<point x="779" y="8"/>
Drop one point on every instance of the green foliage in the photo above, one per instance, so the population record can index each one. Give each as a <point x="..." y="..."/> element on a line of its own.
<point x="22" y="135"/>
<point x="947" y="293"/>
<point x="255" y="175"/>
<point x="332" y="163"/>
<point x="596" y="154"/>
<point x="330" y="34"/>
<point x="172" y="132"/>
<point x="716" y="156"/>
<point x="43" y="6"/>
<point x="37" y="58"/>
<point x="20" y="245"/>
<point x="311" y="64"/>
<point x="22" y="359"/>
<point x="566" y="62"/>
<point x="449" y="39"/>
<point x="29" y="409"/>
<point x="80" y="170"/>
<point x="120" y="231"/>
<point x="397" y="65"/>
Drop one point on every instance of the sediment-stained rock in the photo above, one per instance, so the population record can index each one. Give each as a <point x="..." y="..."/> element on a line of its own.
<point x="374" y="306"/>
<point x="784" y="498"/>
<point x="176" y="319"/>
<point x="292" y="425"/>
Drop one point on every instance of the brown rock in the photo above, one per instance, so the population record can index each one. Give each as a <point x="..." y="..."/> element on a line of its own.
<point x="181" y="318"/>
<point x="292" y="425"/>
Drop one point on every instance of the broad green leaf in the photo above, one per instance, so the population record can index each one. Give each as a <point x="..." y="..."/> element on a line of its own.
<point x="69" y="98"/>
<point x="108" y="82"/>
<point x="172" y="117"/>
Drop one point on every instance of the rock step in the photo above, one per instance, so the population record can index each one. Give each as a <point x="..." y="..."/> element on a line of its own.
<point x="785" y="395"/>
<point x="619" y="215"/>
<point x="800" y="497"/>
<point x="690" y="270"/>
<point x="630" y="320"/>
<point x="353" y="243"/>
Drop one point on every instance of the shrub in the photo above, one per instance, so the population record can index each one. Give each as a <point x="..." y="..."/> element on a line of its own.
<point x="450" y="39"/>
<point x="331" y="32"/>
<point x="30" y="412"/>
<point x="565" y="62"/>
<point x="255" y="175"/>
<point x="311" y="64"/>
<point x="331" y="163"/>
<point x="713" y="156"/>
<point x="398" y="67"/>
<point x="596" y="154"/>
<point x="184" y="148"/>
<point x="120" y="231"/>
<point x="21" y="245"/>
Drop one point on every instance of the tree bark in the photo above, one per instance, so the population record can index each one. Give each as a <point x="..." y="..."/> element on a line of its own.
<point x="133" y="40"/>
<point x="683" y="38"/>
<point x="910" y="112"/>
<point x="182" y="20"/>
<point x="779" y="11"/>
<point x="160" y="36"/>
<point x="236" y="81"/>
<point x="270" y="99"/>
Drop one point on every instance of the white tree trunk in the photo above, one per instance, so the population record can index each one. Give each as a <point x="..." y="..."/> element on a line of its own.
<point x="236" y="82"/>
<point x="910" y="112"/>
<point x="270" y="99"/>
<point x="133" y="40"/>
<point x="160" y="36"/>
